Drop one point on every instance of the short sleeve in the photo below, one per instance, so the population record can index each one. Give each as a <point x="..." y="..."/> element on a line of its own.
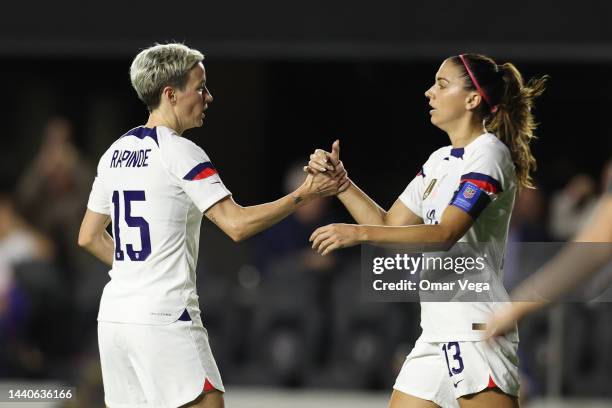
<point x="482" y="180"/>
<point x="412" y="196"/>
<point x="194" y="172"/>
<point x="99" y="199"/>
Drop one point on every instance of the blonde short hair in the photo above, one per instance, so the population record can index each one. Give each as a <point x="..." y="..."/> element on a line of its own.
<point x="159" y="66"/>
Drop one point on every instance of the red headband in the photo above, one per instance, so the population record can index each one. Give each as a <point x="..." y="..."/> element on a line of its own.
<point x="478" y="88"/>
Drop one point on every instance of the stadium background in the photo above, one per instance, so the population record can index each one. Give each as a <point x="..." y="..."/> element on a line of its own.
<point x="287" y="78"/>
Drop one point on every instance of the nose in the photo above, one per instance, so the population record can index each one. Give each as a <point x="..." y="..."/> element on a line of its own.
<point x="208" y="98"/>
<point x="429" y="93"/>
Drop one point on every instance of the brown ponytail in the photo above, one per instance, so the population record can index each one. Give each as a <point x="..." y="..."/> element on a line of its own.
<point x="509" y="117"/>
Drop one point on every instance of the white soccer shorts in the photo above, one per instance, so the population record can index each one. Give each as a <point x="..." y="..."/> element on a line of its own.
<point x="156" y="366"/>
<point x="443" y="372"/>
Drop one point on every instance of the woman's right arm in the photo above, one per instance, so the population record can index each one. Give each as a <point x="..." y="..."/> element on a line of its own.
<point x="361" y="207"/>
<point x="366" y="211"/>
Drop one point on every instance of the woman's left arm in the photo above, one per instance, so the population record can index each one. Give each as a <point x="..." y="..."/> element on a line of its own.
<point x="454" y="224"/>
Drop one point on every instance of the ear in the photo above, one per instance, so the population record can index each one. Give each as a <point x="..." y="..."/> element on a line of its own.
<point x="169" y="93"/>
<point x="472" y="100"/>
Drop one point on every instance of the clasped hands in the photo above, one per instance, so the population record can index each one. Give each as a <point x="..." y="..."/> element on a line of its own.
<point x="333" y="236"/>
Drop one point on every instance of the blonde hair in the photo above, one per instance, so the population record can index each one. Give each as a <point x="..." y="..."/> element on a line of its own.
<point x="507" y="112"/>
<point x="159" y="66"/>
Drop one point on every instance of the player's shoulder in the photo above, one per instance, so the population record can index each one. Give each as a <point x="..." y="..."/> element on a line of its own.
<point x="172" y="145"/>
<point x="139" y="133"/>
<point x="489" y="147"/>
<point x="127" y="139"/>
<point x="488" y="143"/>
<point x="438" y="155"/>
<point x="180" y="155"/>
<point x="137" y="137"/>
<point x="489" y="157"/>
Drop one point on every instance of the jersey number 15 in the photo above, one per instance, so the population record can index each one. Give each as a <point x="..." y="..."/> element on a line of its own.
<point x="131" y="221"/>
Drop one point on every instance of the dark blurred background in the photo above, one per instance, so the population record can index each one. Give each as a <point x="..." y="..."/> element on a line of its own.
<point x="288" y="77"/>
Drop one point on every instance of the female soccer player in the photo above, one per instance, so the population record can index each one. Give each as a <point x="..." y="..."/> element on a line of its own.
<point x="463" y="193"/>
<point x="155" y="185"/>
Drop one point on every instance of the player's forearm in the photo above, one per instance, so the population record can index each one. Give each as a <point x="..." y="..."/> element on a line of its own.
<point x="575" y="263"/>
<point x="256" y="218"/>
<point x="362" y="208"/>
<point x="565" y="272"/>
<point x="522" y="309"/>
<point x="242" y="222"/>
<point x="435" y="237"/>
<point x="102" y="247"/>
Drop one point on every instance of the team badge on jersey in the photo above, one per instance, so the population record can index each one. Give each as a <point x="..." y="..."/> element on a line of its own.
<point x="469" y="191"/>
<point x="429" y="188"/>
<point x="470" y="198"/>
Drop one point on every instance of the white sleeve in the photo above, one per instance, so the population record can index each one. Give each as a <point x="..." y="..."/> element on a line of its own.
<point x="412" y="197"/>
<point x="485" y="169"/>
<point x="194" y="172"/>
<point x="99" y="199"/>
<point x="485" y="177"/>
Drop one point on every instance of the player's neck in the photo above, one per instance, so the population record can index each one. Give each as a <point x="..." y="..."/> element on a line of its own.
<point x="160" y="118"/>
<point x="465" y="133"/>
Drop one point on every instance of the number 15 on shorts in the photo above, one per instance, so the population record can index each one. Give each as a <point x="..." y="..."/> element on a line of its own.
<point x="452" y="354"/>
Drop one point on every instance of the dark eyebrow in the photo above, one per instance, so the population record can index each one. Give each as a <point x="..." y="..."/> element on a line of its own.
<point x="442" y="79"/>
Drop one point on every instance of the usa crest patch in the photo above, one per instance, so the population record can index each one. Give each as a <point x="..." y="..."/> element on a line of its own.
<point x="469" y="192"/>
<point x="470" y="198"/>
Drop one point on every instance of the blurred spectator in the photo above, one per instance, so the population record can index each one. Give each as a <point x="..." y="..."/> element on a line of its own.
<point x="19" y="242"/>
<point x="289" y="239"/>
<point x="606" y="176"/>
<point x="571" y="207"/>
<point x="20" y="245"/>
<point x="289" y="325"/>
<point x="52" y="194"/>
<point x="526" y="225"/>
<point x="53" y="191"/>
<point x="528" y="218"/>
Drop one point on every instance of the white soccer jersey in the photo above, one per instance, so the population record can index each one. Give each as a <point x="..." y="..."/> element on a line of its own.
<point x="155" y="185"/>
<point x="481" y="180"/>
